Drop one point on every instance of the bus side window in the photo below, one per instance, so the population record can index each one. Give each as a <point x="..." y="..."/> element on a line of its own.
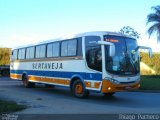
<point x="93" y="53"/>
<point x="94" y="58"/>
<point x="53" y="49"/>
<point x="69" y="48"/>
<point x="30" y="52"/>
<point x="21" y="54"/>
<point x="14" y="55"/>
<point x="40" y="51"/>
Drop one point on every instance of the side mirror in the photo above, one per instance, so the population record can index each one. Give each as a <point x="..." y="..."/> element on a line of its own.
<point x="150" y="50"/>
<point x="111" y="47"/>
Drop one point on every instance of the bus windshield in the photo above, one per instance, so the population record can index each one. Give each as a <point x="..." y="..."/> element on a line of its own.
<point x="126" y="59"/>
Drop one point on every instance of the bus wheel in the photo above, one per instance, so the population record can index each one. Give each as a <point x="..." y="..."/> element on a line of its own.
<point x="78" y="90"/>
<point x="26" y="83"/>
<point x="109" y="94"/>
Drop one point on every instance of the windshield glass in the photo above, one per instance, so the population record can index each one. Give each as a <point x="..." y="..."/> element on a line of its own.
<point x="126" y="59"/>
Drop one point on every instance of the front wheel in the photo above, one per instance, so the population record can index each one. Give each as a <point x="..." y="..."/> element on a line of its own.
<point x="26" y="83"/>
<point x="78" y="90"/>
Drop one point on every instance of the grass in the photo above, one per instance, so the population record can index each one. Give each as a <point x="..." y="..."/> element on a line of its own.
<point x="10" y="106"/>
<point x="150" y="82"/>
<point x="154" y="62"/>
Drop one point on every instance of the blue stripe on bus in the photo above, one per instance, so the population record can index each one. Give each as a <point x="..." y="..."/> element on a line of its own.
<point x="60" y="74"/>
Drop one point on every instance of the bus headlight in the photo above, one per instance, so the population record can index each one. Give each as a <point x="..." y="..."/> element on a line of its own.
<point x="112" y="80"/>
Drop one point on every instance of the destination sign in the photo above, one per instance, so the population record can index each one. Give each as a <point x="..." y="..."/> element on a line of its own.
<point x="111" y="40"/>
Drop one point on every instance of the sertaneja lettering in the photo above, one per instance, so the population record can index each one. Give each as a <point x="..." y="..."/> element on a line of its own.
<point x="49" y="66"/>
<point x="43" y="66"/>
<point x="52" y="65"/>
<point x="60" y="66"/>
<point x="39" y="66"/>
<point x="46" y="66"/>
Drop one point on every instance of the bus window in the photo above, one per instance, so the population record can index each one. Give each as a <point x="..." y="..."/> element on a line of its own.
<point x="30" y="53"/>
<point x="27" y="53"/>
<point x="93" y="53"/>
<point x="72" y="47"/>
<point x="40" y="51"/>
<point x="49" y="50"/>
<point x="64" y="48"/>
<point x="53" y="49"/>
<point x="15" y="54"/>
<point x="94" y="58"/>
<point x="21" y="54"/>
<point x="69" y="48"/>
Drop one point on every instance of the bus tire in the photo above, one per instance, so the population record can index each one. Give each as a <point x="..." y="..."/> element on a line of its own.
<point x="109" y="94"/>
<point x="78" y="89"/>
<point x="26" y="83"/>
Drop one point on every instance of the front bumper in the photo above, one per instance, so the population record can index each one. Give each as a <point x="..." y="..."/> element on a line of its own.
<point x="108" y="87"/>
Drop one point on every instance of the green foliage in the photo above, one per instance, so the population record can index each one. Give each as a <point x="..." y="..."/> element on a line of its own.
<point x="127" y="30"/>
<point x="5" y="56"/>
<point x="9" y="106"/>
<point x="153" y="62"/>
<point x="154" y="19"/>
<point x="150" y="82"/>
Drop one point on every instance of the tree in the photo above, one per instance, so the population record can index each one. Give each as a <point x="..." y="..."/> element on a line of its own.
<point x="154" y="18"/>
<point x="127" y="30"/>
<point x="5" y="56"/>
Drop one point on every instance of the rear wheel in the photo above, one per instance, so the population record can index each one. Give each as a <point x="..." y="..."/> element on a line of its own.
<point x="78" y="90"/>
<point x="26" y="83"/>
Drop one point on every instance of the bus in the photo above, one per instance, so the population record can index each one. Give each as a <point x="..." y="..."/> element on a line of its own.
<point x="101" y="61"/>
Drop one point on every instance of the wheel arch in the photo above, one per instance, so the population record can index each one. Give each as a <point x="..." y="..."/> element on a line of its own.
<point x="76" y="77"/>
<point x="23" y="74"/>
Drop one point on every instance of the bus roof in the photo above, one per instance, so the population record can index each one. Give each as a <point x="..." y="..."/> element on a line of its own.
<point x="96" y="33"/>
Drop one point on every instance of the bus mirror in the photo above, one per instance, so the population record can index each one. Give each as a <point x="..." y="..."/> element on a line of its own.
<point x="150" y="50"/>
<point x="111" y="47"/>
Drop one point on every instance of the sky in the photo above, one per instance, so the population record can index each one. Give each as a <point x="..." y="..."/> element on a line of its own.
<point x="29" y="21"/>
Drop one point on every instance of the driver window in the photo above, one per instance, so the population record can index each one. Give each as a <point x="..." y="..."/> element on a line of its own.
<point x="93" y="53"/>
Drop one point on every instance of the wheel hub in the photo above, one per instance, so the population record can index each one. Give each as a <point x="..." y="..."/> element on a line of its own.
<point x="79" y="89"/>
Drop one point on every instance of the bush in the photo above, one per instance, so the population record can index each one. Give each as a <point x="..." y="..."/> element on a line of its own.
<point x="10" y="106"/>
<point x="5" y="56"/>
<point x="150" y="82"/>
<point x="154" y="62"/>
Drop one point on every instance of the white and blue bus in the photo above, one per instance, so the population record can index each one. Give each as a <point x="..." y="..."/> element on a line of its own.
<point x="105" y="62"/>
